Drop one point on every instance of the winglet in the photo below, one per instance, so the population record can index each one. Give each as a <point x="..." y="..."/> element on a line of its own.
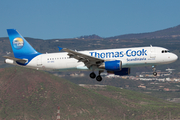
<point x="60" y="48"/>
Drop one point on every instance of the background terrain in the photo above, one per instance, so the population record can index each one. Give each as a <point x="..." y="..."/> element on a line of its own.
<point x="31" y="94"/>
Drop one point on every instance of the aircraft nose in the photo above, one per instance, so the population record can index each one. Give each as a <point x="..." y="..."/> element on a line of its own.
<point x="175" y="57"/>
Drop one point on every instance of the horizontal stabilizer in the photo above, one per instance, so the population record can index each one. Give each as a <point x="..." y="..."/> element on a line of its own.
<point x="16" y="59"/>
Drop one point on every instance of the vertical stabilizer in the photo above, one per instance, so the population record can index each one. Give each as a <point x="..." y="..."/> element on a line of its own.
<point x="21" y="48"/>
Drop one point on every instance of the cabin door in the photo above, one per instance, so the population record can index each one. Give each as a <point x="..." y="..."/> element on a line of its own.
<point x="153" y="53"/>
<point x="39" y="60"/>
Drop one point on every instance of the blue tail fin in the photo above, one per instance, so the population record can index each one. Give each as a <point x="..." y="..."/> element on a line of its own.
<point x="20" y="46"/>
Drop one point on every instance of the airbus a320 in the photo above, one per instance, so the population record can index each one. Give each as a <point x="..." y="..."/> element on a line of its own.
<point x="116" y="61"/>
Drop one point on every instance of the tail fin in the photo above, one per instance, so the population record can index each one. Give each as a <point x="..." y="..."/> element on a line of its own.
<point x="19" y="45"/>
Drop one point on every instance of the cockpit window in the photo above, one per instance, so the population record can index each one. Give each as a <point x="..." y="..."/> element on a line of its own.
<point x="165" y="51"/>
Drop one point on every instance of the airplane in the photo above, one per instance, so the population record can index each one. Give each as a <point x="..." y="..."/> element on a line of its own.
<point x="116" y="61"/>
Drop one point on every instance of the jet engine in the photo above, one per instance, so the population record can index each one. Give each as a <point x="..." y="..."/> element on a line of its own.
<point x="123" y="71"/>
<point x="111" y="65"/>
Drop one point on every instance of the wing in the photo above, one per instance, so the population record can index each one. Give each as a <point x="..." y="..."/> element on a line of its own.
<point x="86" y="59"/>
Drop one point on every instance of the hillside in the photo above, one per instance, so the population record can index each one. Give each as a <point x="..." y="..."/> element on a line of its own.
<point x="94" y="36"/>
<point x="30" y="94"/>
<point x="173" y="32"/>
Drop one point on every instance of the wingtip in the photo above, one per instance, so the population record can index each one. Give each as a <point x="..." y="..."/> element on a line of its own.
<point x="60" y="48"/>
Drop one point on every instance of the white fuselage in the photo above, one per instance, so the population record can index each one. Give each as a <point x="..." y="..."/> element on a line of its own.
<point x="130" y="57"/>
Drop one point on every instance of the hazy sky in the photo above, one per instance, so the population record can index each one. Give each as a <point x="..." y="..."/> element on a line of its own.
<point x="49" y="19"/>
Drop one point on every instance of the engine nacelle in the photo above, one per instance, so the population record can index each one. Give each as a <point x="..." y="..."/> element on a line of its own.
<point x="124" y="71"/>
<point x="115" y="65"/>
